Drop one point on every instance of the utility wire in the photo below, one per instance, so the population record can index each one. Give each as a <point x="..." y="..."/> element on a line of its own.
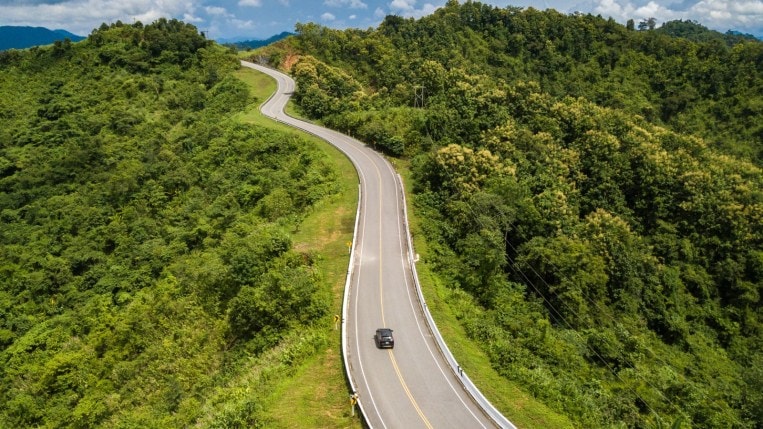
<point x="559" y="316"/>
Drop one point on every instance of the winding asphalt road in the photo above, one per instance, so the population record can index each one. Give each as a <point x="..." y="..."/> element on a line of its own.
<point x="412" y="385"/>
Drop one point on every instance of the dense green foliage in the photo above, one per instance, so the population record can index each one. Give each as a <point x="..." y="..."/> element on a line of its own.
<point x="711" y="89"/>
<point x="592" y="193"/>
<point x="145" y="250"/>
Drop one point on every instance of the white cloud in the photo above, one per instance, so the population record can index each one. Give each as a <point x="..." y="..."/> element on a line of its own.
<point x="353" y="4"/>
<point x="748" y="7"/>
<point x="82" y="16"/>
<point x="610" y="8"/>
<point x="408" y="9"/>
<point x="284" y="2"/>
<point x="402" y="5"/>
<point x="351" y="17"/>
<point x="427" y="9"/>
<point x="379" y="13"/>
<point x="215" y="10"/>
<point x="721" y="15"/>
<point x="744" y="15"/>
<point x="187" y="17"/>
<point x="242" y="24"/>
<point x="328" y="17"/>
<point x="253" y="3"/>
<point x="650" y="9"/>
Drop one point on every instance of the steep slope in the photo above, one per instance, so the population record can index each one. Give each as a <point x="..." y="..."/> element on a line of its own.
<point x="148" y="273"/>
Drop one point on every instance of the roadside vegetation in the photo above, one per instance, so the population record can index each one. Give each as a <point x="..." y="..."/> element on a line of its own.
<point x="587" y="198"/>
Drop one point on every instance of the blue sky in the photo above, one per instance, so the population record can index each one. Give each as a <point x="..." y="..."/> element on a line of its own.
<point x="259" y="19"/>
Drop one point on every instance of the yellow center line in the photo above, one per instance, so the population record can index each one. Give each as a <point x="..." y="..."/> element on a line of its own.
<point x="384" y="322"/>
<point x="407" y="391"/>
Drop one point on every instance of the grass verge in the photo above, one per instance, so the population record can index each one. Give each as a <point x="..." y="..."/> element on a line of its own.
<point x="315" y="393"/>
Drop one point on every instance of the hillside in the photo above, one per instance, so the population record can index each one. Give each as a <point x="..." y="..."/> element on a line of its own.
<point x="12" y="37"/>
<point x="711" y="89"/>
<point x="697" y="32"/>
<point x="151" y="273"/>
<point x="254" y="44"/>
<point x="590" y="194"/>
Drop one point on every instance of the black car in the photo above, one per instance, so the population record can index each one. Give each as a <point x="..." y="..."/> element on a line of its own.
<point x="383" y="338"/>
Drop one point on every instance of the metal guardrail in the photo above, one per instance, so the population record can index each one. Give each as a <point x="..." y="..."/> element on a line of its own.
<point x="345" y="305"/>
<point x="466" y="382"/>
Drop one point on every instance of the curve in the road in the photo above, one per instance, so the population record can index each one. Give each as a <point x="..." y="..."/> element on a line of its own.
<point x="419" y="382"/>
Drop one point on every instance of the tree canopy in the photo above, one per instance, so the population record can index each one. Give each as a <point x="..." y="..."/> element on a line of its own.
<point x="146" y="257"/>
<point x="595" y="190"/>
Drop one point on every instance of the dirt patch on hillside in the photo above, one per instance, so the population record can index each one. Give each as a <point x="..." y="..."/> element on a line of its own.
<point x="289" y="60"/>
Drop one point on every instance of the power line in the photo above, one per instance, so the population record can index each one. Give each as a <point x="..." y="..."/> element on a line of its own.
<point x="418" y="96"/>
<point x="558" y="316"/>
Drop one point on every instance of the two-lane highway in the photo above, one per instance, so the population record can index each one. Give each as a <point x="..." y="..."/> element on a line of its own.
<point x="411" y="385"/>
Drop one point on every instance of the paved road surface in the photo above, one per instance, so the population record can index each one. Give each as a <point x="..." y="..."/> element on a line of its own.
<point x="412" y="385"/>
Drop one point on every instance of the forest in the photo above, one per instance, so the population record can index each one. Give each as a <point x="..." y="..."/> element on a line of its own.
<point x="590" y="192"/>
<point x="149" y="275"/>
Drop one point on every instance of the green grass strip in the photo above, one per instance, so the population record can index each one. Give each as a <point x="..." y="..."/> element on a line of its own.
<point x="314" y="392"/>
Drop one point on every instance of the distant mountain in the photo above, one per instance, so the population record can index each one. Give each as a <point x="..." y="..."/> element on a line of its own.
<point x="696" y="32"/>
<point x="254" y="44"/>
<point x="12" y="37"/>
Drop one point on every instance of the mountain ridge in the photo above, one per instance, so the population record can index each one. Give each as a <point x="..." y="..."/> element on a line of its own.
<point x="244" y="43"/>
<point x="21" y="37"/>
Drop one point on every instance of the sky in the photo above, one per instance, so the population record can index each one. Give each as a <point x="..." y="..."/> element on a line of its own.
<point x="260" y="19"/>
